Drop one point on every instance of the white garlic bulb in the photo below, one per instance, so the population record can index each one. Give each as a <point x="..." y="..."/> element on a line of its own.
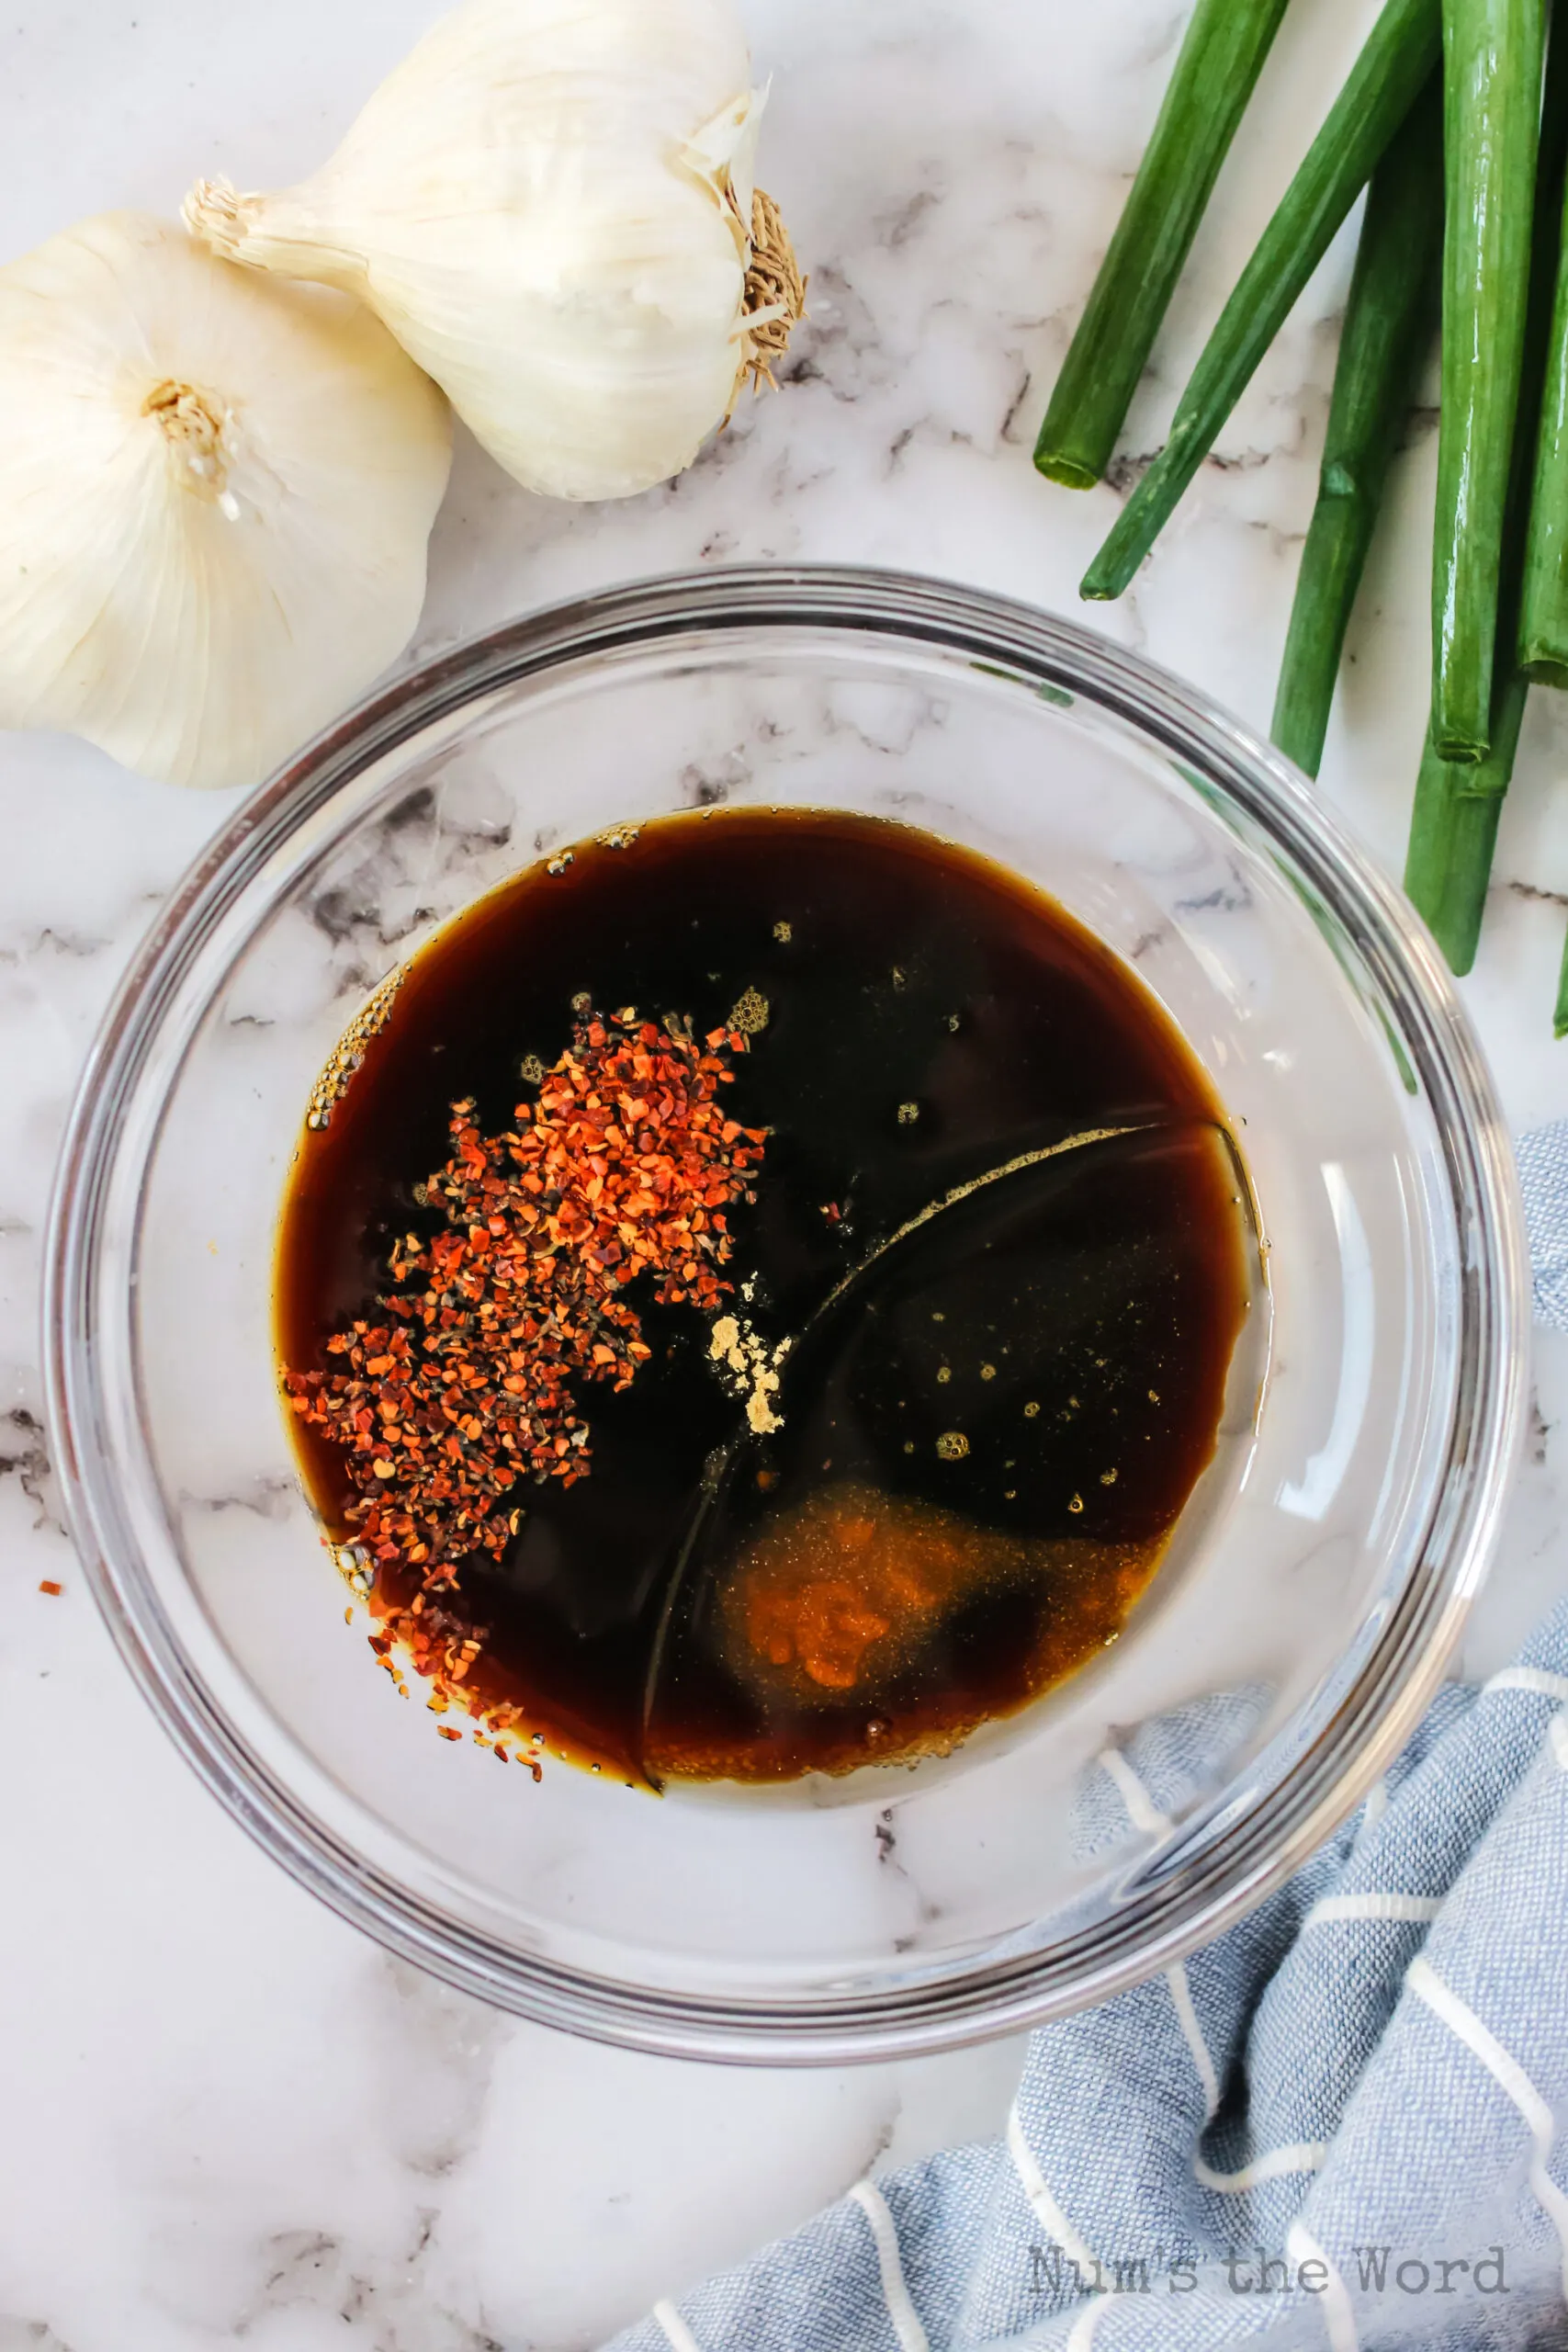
<point x="215" y="497"/>
<point x="550" y="204"/>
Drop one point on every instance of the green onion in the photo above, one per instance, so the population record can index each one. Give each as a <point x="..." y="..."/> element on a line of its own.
<point x="1491" y="66"/>
<point x="1454" y="830"/>
<point x="1560" y="1015"/>
<point x="1388" y="326"/>
<point x="1387" y="78"/>
<point x="1543" y="616"/>
<point x="1221" y="58"/>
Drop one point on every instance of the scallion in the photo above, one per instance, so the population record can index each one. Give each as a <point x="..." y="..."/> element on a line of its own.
<point x="1388" y="327"/>
<point x="1220" y="57"/>
<point x="1544" y="610"/>
<point x="1453" y="830"/>
<point x="1400" y="52"/>
<point x="1492" y="99"/>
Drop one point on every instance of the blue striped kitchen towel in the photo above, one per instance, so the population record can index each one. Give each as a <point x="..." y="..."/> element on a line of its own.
<point x="1337" y="2127"/>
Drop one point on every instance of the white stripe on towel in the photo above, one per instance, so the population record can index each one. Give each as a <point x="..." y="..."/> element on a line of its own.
<point x="1557" y="1732"/>
<point x="1142" y="1810"/>
<point x="1192" y="2034"/>
<point x="1506" y="2071"/>
<point x="1377" y="1804"/>
<point x="1302" y="2155"/>
<point x="675" y="2328"/>
<point x="1087" y="2320"/>
<point x="1047" y="2212"/>
<point x="906" y="2319"/>
<point x="1528" y="1678"/>
<point x="1144" y="1814"/>
<point x="1339" y="2317"/>
<point x="1405" y="1907"/>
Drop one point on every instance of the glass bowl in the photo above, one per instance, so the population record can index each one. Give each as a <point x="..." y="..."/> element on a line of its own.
<point x="1324" y="1565"/>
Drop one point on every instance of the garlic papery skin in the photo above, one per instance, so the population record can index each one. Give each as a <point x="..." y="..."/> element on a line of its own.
<point x="215" y="500"/>
<point x="550" y="202"/>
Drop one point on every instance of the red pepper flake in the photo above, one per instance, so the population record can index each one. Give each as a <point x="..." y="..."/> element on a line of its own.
<point x="47" y="1583"/>
<point x="624" y="1166"/>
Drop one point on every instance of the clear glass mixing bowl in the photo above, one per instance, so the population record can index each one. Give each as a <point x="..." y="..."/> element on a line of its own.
<point x="1323" y="1570"/>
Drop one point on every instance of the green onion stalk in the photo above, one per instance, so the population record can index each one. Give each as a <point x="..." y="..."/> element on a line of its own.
<point x="1453" y="830"/>
<point x="1389" y="322"/>
<point x="1399" y="55"/>
<point x="1544" y="597"/>
<point x="1492" y="111"/>
<point x="1220" y="57"/>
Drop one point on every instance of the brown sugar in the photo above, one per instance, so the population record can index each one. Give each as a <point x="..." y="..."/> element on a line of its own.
<point x="844" y="1592"/>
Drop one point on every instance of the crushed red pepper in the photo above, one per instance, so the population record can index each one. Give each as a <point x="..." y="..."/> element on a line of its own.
<point x="625" y="1166"/>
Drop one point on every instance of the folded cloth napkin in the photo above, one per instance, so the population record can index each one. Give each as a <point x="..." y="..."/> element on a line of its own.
<point x="1337" y="2126"/>
<point x="1542" y="1156"/>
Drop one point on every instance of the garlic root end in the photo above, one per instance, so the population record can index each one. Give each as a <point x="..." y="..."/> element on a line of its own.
<point x="774" y="299"/>
<point x="193" y="426"/>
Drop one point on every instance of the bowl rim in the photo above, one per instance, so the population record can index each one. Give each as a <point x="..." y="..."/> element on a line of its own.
<point x="1208" y="1879"/>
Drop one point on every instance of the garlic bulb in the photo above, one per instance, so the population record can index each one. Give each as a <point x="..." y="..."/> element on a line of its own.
<point x="550" y="204"/>
<point x="215" y="496"/>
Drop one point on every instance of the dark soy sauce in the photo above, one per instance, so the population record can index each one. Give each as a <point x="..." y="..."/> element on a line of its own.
<point x="991" y="1414"/>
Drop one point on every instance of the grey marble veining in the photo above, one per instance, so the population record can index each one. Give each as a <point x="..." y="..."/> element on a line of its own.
<point x="226" y="2117"/>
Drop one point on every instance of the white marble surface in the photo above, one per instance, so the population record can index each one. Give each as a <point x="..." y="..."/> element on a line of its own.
<point x="222" y="2114"/>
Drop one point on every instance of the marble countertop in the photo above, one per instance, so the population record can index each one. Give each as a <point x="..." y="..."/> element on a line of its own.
<point x="222" y="2113"/>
